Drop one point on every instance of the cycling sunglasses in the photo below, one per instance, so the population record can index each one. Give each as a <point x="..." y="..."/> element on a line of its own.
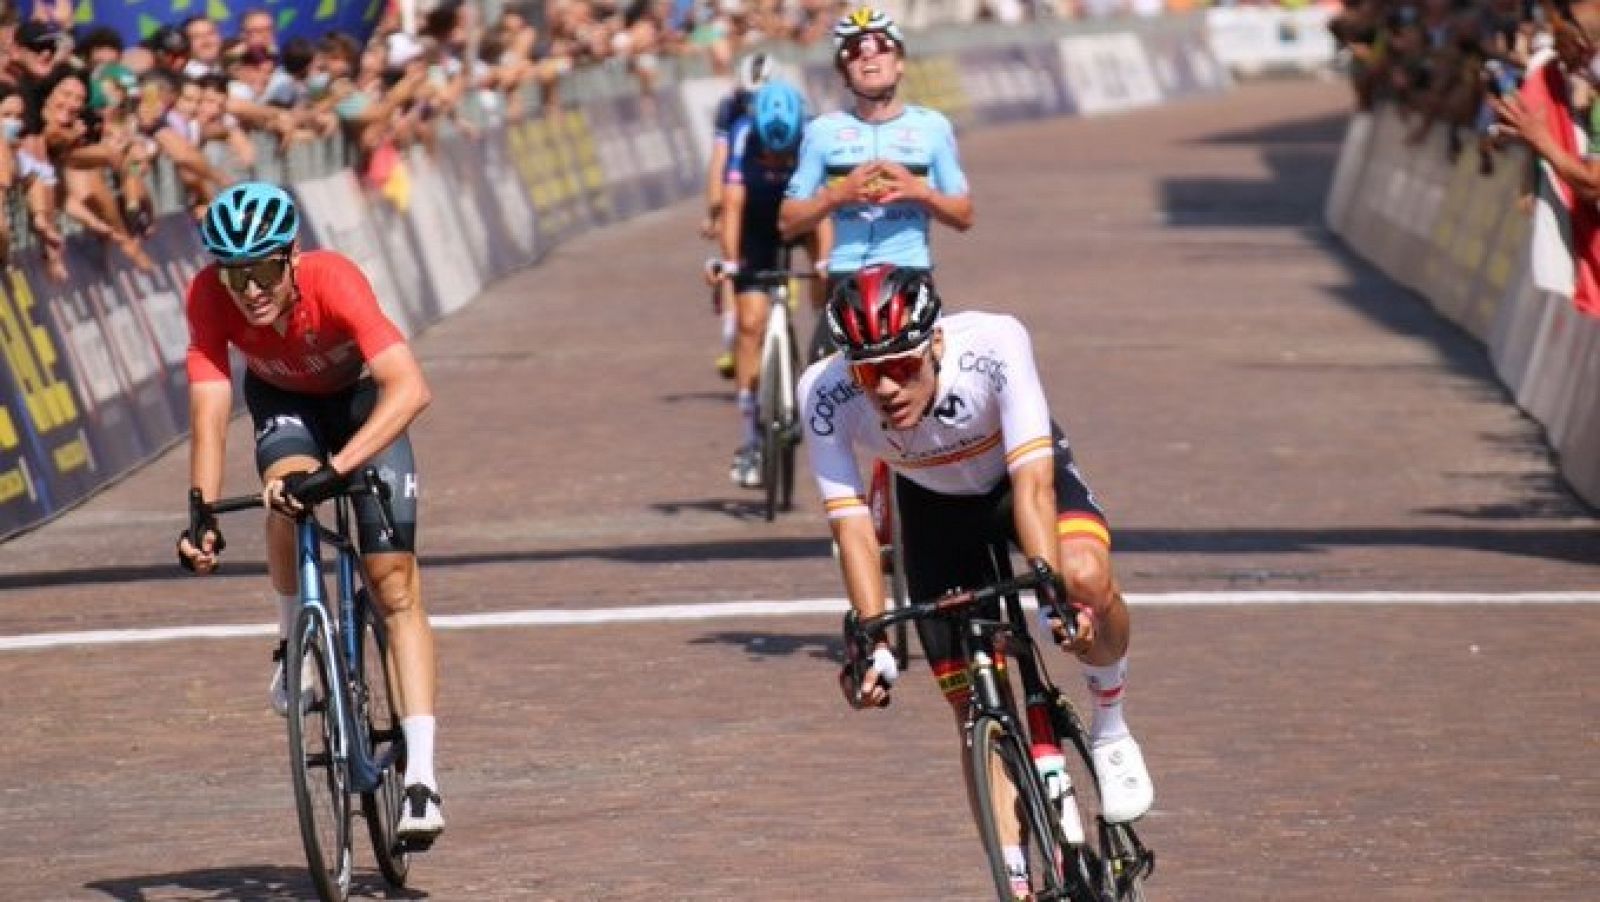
<point x="266" y="273"/>
<point x="856" y="47"/>
<point x="898" y="368"/>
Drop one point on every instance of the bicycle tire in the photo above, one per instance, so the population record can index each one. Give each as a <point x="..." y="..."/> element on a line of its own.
<point x="789" y="426"/>
<point x="321" y="784"/>
<point x="771" y="431"/>
<point x="991" y="744"/>
<point x="381" y="720"/>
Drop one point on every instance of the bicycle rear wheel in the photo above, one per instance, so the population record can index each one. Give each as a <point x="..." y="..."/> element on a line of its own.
<point x="1003" y="775"/>
<point x="381" y="807"/>
<point x="321" y="783"/>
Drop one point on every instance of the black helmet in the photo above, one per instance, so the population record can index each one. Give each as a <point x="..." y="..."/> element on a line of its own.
<point x="881" y="310"/>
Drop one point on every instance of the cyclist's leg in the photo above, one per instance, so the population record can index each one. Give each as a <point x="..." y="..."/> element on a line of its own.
<point x="758" y="251"/>
<point x="391" y="569"/>
<point x="288" y="440"/>
<point x="946" y="547"/>
<point x="1085" y="554"/>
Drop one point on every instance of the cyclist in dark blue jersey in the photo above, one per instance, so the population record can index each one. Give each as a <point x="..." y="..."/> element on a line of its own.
<point x="882" y="170"/>
<point x="762" y="155"/>
<point x="753" y="72"/>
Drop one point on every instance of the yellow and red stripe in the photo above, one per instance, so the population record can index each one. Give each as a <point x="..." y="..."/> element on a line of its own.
<point x="1080" y="524"/>
<point x="956" y="456"/>
<point x="1028" y="450"/>
<point x="847" y="506"/>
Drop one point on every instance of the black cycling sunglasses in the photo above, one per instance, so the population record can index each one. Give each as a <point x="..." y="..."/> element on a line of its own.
<point x="266" y="273"/>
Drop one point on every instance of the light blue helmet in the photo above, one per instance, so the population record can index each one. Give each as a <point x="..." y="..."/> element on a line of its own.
<point x="249" y="221"/>
<point x="780" y="111"/>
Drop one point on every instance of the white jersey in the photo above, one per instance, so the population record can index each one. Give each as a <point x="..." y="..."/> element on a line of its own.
<point x="989" y="417"/>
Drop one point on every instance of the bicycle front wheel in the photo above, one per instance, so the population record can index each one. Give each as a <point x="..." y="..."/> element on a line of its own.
<point x="1011" y="807"/>
<point x="772" y="433"/>
<point x="386" y="741"/>
<point x="321" y="783"/>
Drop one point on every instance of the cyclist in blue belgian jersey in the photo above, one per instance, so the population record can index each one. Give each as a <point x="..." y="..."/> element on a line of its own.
<point x="761" y="159"/>
<point x="882" y="170"/>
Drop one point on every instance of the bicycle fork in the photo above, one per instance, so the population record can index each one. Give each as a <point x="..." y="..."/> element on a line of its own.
<point x="313" y="600"/>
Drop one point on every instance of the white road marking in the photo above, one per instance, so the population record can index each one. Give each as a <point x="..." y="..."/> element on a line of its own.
<point x="720" y="610"/>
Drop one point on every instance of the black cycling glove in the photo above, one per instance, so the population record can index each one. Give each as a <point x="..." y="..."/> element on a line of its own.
<point x="313" y="488"/>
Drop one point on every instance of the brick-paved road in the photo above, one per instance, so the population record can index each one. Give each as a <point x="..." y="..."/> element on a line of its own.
<point x="1257" y="409"/>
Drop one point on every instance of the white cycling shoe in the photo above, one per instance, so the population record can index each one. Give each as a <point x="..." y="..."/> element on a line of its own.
<point x="1125" y="789"/>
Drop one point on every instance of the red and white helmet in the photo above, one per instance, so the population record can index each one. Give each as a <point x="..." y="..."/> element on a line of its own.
<point x="882" y="310"/>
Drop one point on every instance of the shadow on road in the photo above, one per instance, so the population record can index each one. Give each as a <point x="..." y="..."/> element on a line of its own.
<point x="260" y="883"/>
<point x="1573" y="544"/>
<point x="761" y="645"/>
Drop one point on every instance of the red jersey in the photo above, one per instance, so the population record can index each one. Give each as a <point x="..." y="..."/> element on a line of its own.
<point x="333" y="329"/>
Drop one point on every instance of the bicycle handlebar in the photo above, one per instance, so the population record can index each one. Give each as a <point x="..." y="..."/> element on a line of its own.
<point x="201" y="512"/>
<point x="961" y="600"/>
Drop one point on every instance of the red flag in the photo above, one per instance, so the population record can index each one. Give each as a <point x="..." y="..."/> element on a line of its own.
<point x="1544" y="92"/>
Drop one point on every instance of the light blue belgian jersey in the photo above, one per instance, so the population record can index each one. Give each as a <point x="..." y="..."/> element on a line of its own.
<point x="919" y="139"/>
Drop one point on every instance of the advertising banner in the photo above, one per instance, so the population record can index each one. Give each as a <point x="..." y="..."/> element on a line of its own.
<point x="86" y="429"/>
<point x="621" y="172"/>
<point x="22" y="499"/>
<point x="1005" y="84"/>
<point x="1105" y="73"/>
<point x="335" y="215"/>
<point x="446" y="254"/>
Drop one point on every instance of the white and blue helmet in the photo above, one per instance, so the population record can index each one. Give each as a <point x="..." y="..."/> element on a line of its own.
<point x="249" y="221"/>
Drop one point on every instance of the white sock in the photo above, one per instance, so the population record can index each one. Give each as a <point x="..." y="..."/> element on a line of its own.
<point x="288" y="607"/>
<point x="747" y="415"/>
<point x="1106" y="686"/>
<point x="1016" y="861"/>
<point x="419" y="750"/>
<point x="730" y="327"/>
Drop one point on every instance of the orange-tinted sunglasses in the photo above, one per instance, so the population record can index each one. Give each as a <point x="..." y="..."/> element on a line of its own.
<point x="899" y="369"/>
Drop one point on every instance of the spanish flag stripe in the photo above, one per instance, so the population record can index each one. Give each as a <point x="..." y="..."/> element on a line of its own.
<point x="1027" y="447"/>
<point x="987" y="444"/>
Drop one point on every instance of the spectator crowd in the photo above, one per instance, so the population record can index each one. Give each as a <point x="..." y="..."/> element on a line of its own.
<point x="1461" y="63"/>
<point x="89" y="119"/>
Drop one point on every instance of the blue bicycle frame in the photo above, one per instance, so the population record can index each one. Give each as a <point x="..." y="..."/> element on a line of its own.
<point x="365" y="770"/>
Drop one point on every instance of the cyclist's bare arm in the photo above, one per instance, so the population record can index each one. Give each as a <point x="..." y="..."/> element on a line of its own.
<point x="402" y="395"/>
<point x="953" y="210"/>
<point x="799" y="215"/>
<point x="733" y="197"/>
<point x="861" y="563"/>
<point x="1033" y="487"/>
<point x="210" y="404"/>
<point x="824" y="235"/>
<point x="715" y="198"/>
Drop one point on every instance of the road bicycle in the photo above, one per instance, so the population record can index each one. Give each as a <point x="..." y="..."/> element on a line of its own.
<point x="345" y="739"/>
<point x="1065" y="862"/>
<point x="780" y="371"/>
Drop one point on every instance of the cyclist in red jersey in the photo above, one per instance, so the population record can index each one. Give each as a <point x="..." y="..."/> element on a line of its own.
<point x="332" y="387"/>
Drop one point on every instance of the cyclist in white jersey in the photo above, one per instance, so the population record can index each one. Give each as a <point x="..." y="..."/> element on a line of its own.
<point x="955" y="407"/>
<point x="883" y="170"/>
